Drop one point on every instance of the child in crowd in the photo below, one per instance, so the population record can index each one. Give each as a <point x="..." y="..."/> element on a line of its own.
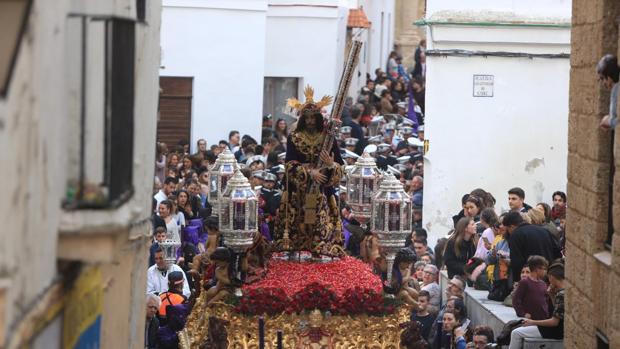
<point x="422" y="315"/>
<point x="525" y="273"/>
<point x="160" y="236"/>
<point x="530" y="299"/>
<point x="551" y="327"/>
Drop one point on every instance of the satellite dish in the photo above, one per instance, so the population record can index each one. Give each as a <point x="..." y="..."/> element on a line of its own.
<point x="370" y="149"/>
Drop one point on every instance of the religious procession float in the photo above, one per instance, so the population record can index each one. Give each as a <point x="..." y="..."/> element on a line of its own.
<point x="303" y="290"/>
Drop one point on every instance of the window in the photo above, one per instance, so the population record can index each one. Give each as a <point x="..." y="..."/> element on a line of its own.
<point x="275" y="93"/>
<point x="610" y="194"/>
<point x="100" y="59"/>
<point x="141" y="10"/>
<point x="601" y="340"/>
<point x="13" y="19"/>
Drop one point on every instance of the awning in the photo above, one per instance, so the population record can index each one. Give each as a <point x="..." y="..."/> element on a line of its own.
<point x="357" y="19"/>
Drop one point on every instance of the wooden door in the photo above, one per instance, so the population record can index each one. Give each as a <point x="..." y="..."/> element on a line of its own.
<point x="175" y="110"/>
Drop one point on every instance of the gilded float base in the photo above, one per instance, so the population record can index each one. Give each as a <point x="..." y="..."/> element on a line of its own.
<point x="348" y="332"/>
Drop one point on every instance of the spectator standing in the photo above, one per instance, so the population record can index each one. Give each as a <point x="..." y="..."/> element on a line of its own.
<point x="152" y="322"/>
<point x="281" y="131"/>
<point x="516" y="200"/>
<point x="386" y="102"/>
<point x="608" y="74"/>
<point x="160" y="161"/>
<point x="460" y="247"/>
<point x="392" y="66"/>
<point x="420" y="68"/>
<point x="527" y="240"/>
<point x="559" y="205"/>
<point x="170" y="184"/>
<point x="233" y="141"/>
<point x="157" y="276"/>
<point x="165" y="212"/>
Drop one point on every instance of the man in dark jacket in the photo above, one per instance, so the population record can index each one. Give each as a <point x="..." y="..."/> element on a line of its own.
<point x="526" y="240"/>
<point x="152" y="322"/>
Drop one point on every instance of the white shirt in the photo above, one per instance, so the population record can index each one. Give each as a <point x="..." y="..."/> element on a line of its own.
<point x="157" y="283"/>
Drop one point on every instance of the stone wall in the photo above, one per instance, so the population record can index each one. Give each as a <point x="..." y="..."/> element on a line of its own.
<point x="406" y="34"/>
<point x="593" y="272"/>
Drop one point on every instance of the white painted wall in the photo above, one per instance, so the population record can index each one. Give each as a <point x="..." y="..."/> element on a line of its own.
<point x="222" y="45"/>
<point x="518" y="137"/>
<point x="306" y="42"/>
<point x="380" y="41"/>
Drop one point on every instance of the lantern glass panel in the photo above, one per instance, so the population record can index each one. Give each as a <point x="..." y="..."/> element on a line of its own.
<point x="227" y="168"/>
<point x="379" y="216"/>
<point x="252" y="215"/>
<point x="367" y="171"/>
<point x="225" y="220"/>
<point x="394" y="195"/>
<point x="225" y="179"/>
<point x="369" y="187"/>
<point x="213" y="185"/>
<point x="394" y="216"/>
<point x="239" y="215"/>
<point x="406" y="215"/>
<point x="355" y="190"/>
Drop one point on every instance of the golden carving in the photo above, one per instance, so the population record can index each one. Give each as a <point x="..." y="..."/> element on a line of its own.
<point x="359" y="332"/>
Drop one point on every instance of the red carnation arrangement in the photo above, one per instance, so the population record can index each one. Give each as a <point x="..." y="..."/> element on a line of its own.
<point x="269" y="301"/>
<point x="345" y="286"/>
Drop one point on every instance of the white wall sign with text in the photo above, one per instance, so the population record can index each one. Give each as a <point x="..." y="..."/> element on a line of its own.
<point x="483" y="85"/>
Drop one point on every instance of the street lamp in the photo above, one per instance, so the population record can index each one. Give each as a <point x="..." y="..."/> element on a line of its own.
<point x="391" y="222"/>
<point x="224" y="167"/>
<point x="362" y="181"/>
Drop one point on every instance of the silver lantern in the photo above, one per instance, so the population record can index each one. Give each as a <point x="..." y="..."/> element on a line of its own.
<point x="224" y="167"/>
<point x="170" y="246"/>
<point x="238" y="213"/>
<point x="391" y="218"/>
<point x="362" y="181"/>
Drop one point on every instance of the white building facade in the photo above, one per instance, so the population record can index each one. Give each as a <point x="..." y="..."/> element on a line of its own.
<point x="496" y="103"/>
<point x="246" y="57"/>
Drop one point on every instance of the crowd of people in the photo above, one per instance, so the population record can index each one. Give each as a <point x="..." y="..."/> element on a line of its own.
<point x="516" y="256"/>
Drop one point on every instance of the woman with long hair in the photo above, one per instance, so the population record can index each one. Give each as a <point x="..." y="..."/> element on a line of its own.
<point x="173" y="161"/>
<point x="281" y="131"/>
<point x="398" y="92"/>
<point x="184" y="206"/>
<point x="460" y="247"/>
<point x="165" y="212"/>
<point x="176" y="215"/>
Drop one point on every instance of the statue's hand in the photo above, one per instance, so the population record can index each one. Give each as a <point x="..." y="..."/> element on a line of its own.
<point x="327" y="159"/>
<point x="318" y="176"/>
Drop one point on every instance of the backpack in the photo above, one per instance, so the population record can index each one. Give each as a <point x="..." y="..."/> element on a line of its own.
<point x="504" y="337"/>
